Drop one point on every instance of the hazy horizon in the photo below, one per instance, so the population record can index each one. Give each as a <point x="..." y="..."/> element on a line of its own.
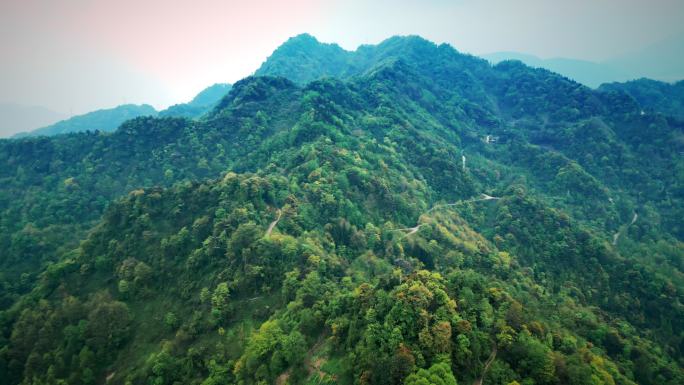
<point x="79" y="55"/>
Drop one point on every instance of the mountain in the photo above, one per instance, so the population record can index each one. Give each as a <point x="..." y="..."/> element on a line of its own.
<point x="653" y="95"/>
<point x="588" y="73"/>
<point x="105" y="120"/>
<point x="662" y="60"/>
<point x="200" y="104"/>
<point x="411" y="216"/>
<point x="17" y="118"/>
<point x="211" y="95"/>
<point x="303" y="59"/>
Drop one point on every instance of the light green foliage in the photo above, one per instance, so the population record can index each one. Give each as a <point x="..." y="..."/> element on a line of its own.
<point x="437" y="374"/>
<point x="269" y="352"/>
<point x="219" y="300"/>
<point x="124" y="287"/>
<point x="205" y="295"/>
<point x="170" y="320"/>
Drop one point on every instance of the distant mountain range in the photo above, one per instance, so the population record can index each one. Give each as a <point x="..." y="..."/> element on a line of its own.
<point x="110" y="119"/>
<point x="588" y="73"/>
<point x="18" y="118"/>
<point x="101" y="120"/>
<point x="662" y="61"/>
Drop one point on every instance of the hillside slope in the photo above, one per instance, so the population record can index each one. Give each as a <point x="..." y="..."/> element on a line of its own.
<point x="653" y="95"/>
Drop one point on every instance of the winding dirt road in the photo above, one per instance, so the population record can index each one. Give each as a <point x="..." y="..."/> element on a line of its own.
<point x="483" y="197"/>
<point x="413" y="230"/>
<point x="623" y="229"/>
<point x="486" y="366"/>
<point x="314" y="366"/>
<point x="273" y="224"/>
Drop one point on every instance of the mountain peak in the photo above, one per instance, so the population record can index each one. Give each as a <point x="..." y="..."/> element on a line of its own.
<point x="408" y="40"/>
<point x="302" y="38"/>
<point x="318" y="59"/>
<point x="254" y="88"/>
<point x="305" y="41"/>
<point x="303" y="58"/>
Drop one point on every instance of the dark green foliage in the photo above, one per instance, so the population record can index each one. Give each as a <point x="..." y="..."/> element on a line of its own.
<point x="653" y="95"/>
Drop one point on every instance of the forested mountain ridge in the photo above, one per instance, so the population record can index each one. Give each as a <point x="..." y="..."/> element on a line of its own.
<point x="303" y="59"/>
<point x="653" y="95"/>
<point x="202" y="103"/>
<point x="382" y="256"/>
<point x="589" y="73"/>
<point x="108" y="119"/>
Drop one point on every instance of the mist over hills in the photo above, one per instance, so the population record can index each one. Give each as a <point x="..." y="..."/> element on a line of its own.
<point x="108" y="120"/>
<point x="661" y="61"/>
<point x="101" y="120"/>
<point x="588" y="73"/>
<point x="331" y="60"/>
<point x="17" y="118"/>
<point x="398" y="214"/>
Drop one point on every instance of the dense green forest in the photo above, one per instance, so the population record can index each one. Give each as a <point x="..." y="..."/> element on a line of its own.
<point x="654" y="95"/>
<point x="400" y="214"/>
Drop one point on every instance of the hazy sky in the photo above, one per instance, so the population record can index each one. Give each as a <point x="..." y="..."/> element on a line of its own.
<point x="74" y="56"/>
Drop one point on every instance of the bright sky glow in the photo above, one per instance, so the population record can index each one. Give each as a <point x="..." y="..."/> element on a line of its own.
<point x="75" y="56"/>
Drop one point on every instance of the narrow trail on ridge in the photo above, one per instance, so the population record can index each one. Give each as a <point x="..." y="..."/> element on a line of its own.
<point x="273" y="224"/>
<point x="314" y="366"/>
<point x="486" y="366"/>
<point x="413" y="230"/>
<point x="623" y="229"/>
